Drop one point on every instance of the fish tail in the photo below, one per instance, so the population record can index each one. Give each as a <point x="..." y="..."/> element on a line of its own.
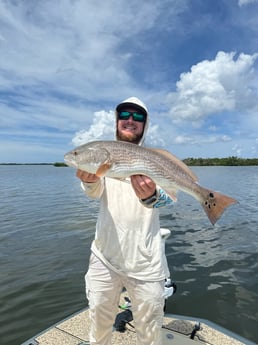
<point x="215" y="203"/>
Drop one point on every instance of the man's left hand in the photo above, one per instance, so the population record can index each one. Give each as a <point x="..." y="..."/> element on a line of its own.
<point x="143" y="186"/>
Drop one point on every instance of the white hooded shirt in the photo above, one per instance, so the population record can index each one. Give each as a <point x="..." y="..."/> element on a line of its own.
<point x="127" y="237"/>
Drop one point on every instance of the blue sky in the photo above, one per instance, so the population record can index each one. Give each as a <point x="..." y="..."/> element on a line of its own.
<point x="65" y="64"/>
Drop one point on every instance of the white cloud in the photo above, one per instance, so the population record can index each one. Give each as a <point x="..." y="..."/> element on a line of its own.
<point x="154" y="137"/>
<point x="62" y="61"/>
<point x="57" y="42"/>
<point x="223" y="84"/>
<point x="193" y="140"/>
<point x="72" y="47"/>
<point x="246" y="2"/>
<point x="180" y="139"/>
<point x="237" y="150"/>
<point x="103" y="128"/>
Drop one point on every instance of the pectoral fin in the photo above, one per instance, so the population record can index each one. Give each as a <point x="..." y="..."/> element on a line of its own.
<point x="103" y="169"/>
<point x="172" y="193"/>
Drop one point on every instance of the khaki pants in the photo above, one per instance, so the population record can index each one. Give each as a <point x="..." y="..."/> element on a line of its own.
<point x="103" y="289"/>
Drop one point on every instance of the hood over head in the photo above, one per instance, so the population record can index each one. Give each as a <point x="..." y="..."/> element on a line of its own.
<point x="136" y="103"/>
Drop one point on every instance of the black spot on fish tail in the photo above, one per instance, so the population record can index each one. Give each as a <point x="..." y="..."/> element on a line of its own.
<point x="210" y="203"/>
<point x="215" y="204"/>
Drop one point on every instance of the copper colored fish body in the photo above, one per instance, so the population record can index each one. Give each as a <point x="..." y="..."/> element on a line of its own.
<point x="118" y="159"/>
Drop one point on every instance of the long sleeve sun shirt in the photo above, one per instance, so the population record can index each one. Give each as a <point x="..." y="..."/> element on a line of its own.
<point x="127" y="237"/>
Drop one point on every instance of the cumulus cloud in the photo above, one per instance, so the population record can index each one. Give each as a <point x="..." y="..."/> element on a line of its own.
<point x="223" y="84"/>
<point x="103" y="128"/>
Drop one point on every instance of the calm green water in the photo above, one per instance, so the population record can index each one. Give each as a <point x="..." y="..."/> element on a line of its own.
<point x="47" y="225"/>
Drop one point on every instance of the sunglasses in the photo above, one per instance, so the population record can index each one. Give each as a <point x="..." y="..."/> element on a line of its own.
<point x="124" y="115"/>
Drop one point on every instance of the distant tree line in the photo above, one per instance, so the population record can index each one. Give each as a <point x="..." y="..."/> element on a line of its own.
<point x="229" y="161"/>
<point x="60" y="164"/>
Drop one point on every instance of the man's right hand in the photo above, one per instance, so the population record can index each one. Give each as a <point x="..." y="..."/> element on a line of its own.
<point x="86" y="177"/>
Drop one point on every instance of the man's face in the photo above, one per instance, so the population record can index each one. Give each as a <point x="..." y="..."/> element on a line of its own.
<point x="129" y="129"/>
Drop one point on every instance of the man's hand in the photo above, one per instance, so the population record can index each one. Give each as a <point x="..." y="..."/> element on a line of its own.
<point x="86" y="177"/>
<point x="143" y="186"/>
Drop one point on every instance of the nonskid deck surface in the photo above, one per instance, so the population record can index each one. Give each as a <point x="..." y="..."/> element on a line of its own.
<point x="176" y="331"/>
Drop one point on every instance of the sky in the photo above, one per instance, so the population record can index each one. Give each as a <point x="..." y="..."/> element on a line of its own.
<point x="66" y="64"/>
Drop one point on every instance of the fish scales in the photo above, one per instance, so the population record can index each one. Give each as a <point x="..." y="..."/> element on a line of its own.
<point x="132" y="159"/>
<point x="153" y="165"/>
<point x="118" y="159"/>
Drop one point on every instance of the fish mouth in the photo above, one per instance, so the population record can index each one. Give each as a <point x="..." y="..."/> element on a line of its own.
<point x="70" y="161"/>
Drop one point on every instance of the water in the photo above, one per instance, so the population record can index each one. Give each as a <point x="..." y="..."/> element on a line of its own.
<point x="47" y="225"/>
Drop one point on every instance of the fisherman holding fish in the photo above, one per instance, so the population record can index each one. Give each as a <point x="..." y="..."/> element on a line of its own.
<point x="127" y="249"/>
<point x="132" y="182"/>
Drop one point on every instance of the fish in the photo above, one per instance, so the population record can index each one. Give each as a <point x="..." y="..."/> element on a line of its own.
<point x="120" y="160"/>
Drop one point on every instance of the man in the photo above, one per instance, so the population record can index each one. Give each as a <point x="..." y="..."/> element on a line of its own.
<point x="127" y="250"/>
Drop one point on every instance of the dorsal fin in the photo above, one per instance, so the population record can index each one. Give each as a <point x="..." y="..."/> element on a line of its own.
<point x="176" y="160"/>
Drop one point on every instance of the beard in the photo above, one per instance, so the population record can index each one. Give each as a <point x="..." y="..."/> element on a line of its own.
<point x="130" y="137"/>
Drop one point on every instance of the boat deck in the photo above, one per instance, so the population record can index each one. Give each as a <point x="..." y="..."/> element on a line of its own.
<point x="75" y="330"/>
